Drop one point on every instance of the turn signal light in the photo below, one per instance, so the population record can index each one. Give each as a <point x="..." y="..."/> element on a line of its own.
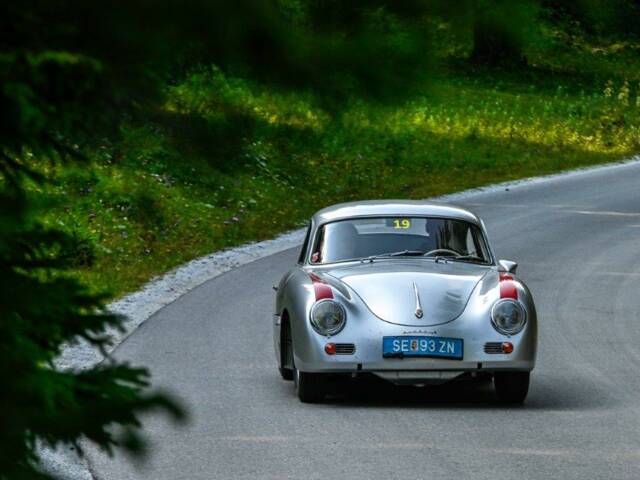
<point x="507" y="347"/>
<point x="330" y="348"/>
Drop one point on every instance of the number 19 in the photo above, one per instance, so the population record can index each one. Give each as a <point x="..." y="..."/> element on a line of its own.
<point x="402" y="224"/>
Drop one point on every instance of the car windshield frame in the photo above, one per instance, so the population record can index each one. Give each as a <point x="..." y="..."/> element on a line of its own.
<point x="318" y="231"/>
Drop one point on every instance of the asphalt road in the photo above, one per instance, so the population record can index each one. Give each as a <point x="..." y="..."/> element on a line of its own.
<point x="577" y="240"/>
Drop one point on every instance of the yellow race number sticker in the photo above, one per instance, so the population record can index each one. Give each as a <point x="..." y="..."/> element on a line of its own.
<point x="402" y="223"/>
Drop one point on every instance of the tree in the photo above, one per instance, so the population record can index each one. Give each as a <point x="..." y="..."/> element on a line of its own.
<point x="39" y="311"/>
<point x="500" y="29"/>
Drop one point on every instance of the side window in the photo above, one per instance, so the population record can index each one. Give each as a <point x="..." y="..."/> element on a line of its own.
<point x="305" y="245"/>
<point x="471" y="245"/>
<point x="480" y="245"/>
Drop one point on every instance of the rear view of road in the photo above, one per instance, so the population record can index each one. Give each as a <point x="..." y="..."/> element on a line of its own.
<point x="577" y="240"/>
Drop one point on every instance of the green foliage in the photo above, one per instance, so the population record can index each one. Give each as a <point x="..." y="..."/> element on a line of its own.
<point x="41" y="310"/>
<point x="602" y="17"/>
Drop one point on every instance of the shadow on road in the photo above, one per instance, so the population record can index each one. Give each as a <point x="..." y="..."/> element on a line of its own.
<point x="544" y="394"/>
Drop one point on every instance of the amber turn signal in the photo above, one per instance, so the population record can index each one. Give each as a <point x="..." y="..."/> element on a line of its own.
<point x="330" y="348"/>
<point x="507" y="347"/>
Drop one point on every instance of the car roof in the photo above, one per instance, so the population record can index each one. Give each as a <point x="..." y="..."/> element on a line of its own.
<point x="368" y="208"/>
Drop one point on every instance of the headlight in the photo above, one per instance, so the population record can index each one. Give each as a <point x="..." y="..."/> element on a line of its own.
<point x="328" y="317"/>
<point x="508" y="316"/>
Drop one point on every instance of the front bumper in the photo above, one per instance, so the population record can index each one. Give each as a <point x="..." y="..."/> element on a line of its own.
<point x="310" y="355"/>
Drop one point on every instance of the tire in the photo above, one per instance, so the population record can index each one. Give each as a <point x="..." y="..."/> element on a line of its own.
<point x="310" y="387"/>
<point x="286" y="373"/>
<point x="511" y="387"/>
<point x="286" y="352"/>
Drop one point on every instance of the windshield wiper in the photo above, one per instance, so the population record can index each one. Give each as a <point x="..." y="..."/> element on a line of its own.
<point x="401" y="253"/>
<point x="473" y="258"/>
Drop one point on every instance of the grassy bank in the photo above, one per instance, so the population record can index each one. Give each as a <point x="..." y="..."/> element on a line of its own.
<point x="225" y="161"/>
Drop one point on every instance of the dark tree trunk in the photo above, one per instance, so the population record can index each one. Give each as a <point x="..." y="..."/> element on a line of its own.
<point x="494" y="44"/>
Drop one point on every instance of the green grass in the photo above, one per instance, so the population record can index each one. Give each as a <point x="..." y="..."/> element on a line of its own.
<point x="225" y="161"/>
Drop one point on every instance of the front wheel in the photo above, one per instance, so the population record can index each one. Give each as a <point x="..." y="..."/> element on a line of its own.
<point x="286" y="351"/>
<point x="310" y="387"/>
<point x="511" y="387"/>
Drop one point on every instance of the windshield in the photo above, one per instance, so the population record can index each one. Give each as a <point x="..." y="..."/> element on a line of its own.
<point x="367" y="238"/>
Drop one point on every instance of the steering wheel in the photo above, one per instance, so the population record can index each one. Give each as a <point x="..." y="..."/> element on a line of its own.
<point x="439" y="251"/>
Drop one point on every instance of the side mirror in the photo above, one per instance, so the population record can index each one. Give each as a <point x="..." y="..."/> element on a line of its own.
<point x="507" y="266"/>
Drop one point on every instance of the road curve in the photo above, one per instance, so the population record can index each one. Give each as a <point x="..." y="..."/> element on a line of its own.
<point x="577" y="240"/>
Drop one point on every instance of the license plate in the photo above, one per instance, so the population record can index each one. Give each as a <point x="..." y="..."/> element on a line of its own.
<point x="410" y="346"/>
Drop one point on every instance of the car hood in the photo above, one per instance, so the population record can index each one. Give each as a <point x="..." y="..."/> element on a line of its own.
<point x="387" y="288"/>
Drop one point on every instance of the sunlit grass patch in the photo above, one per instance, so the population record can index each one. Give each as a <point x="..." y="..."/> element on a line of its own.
<point x="212" y="94"/>
<point x="603" y="121"/>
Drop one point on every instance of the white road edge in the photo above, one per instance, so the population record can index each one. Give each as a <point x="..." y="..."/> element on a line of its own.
<point x="137" y="307"/>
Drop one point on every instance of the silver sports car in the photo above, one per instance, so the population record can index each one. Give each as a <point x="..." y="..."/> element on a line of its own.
<point x="409" y="291"/>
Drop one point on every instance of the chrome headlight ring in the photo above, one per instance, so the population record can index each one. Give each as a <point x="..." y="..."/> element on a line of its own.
<point x="508" y="316"/>
<point x="328" y="317"/>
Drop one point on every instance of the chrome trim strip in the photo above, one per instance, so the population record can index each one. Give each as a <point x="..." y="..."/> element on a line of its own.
<point x="419" y="313"/>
